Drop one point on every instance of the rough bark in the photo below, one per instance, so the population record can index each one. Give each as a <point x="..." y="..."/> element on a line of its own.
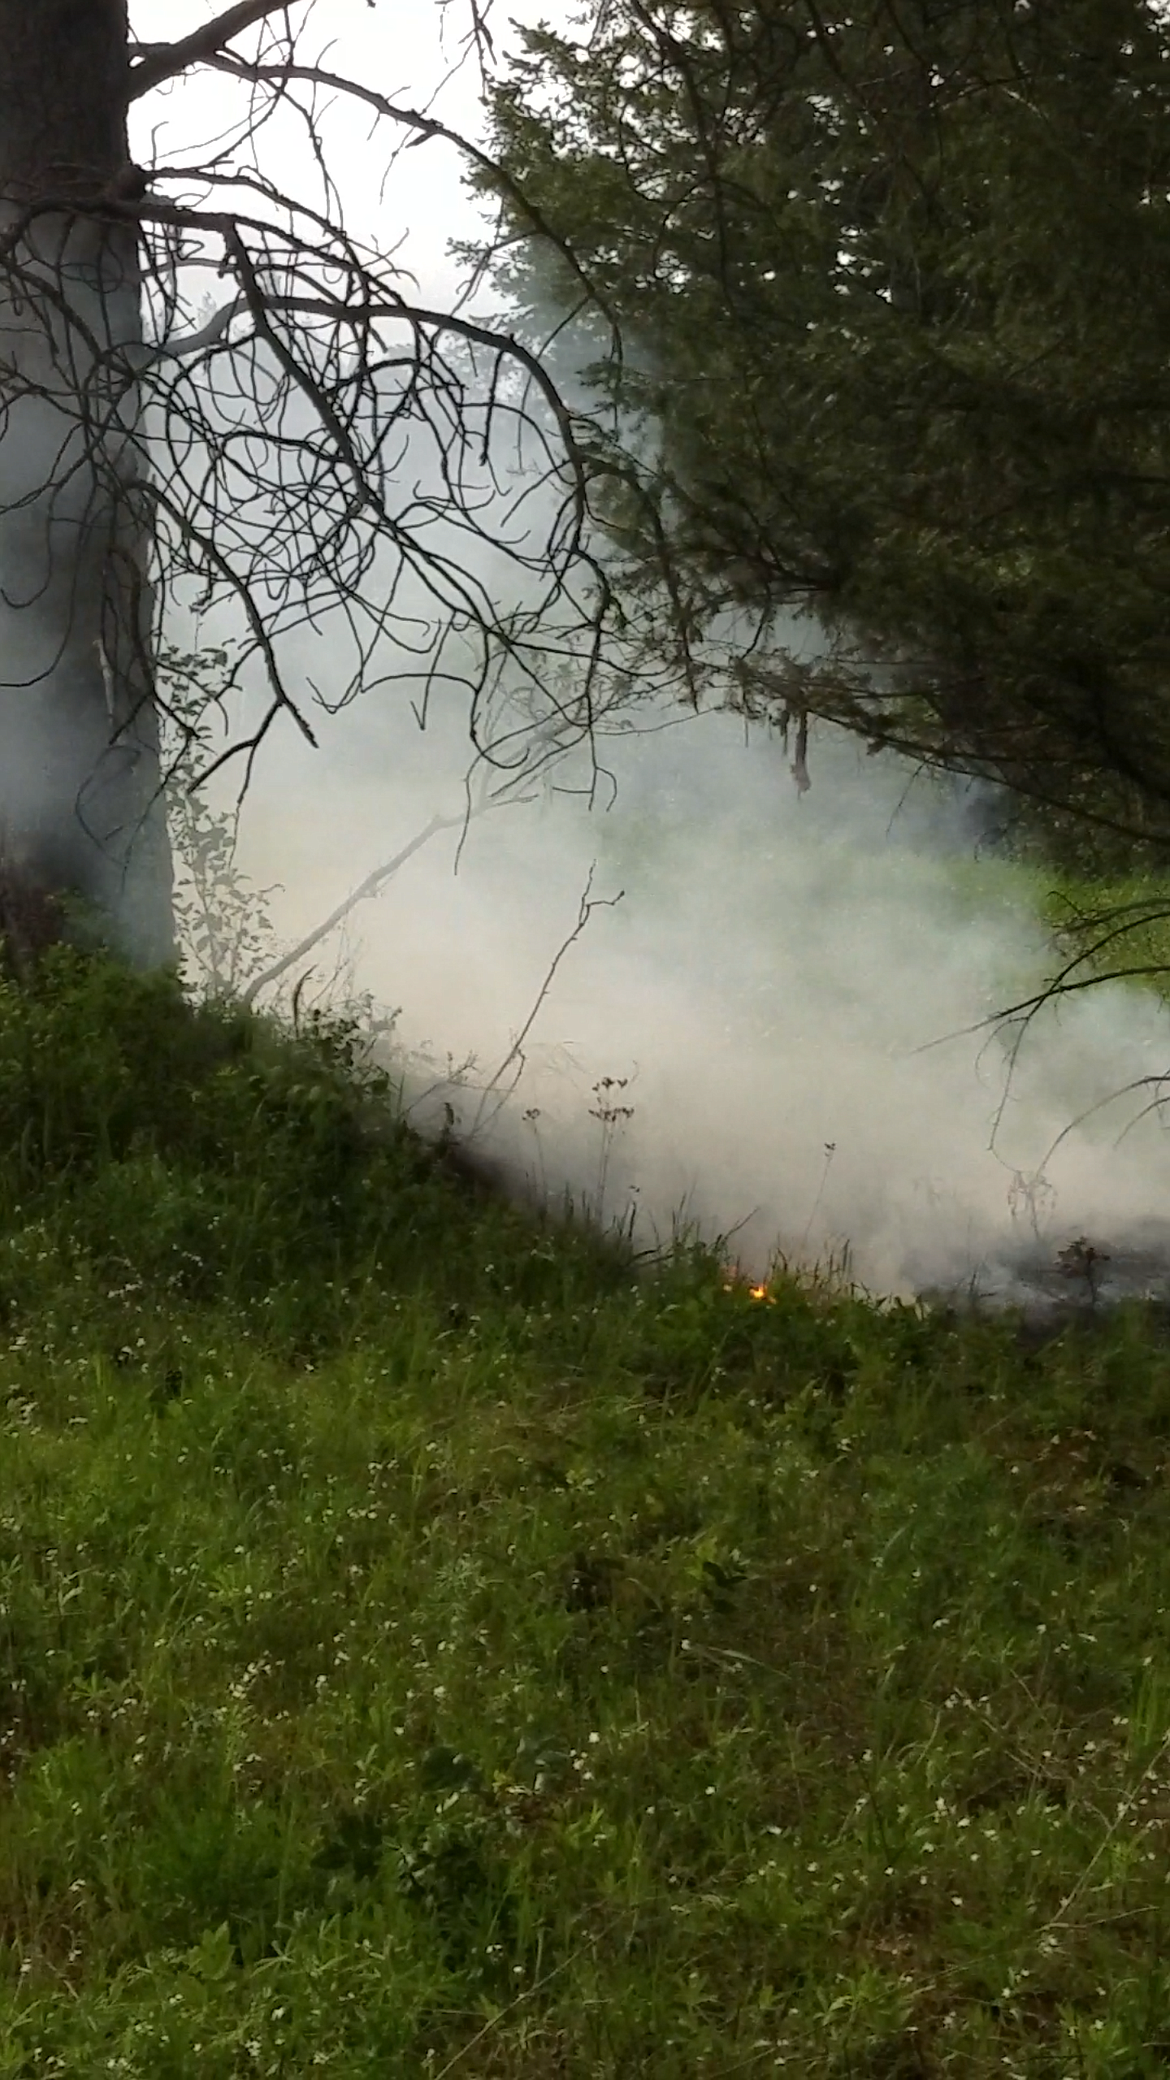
<point x="80" y="808"/>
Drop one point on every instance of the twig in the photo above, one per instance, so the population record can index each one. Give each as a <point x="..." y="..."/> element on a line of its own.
<point x="585" y="911"/>
<point x="369" y="887"/>
<point x="830" y="1152"/>
<point x="526" y="1993"/>
<point x="1124" y="1809"/>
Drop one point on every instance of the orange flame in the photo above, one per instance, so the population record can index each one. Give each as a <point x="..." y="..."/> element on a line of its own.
<point x="737" y="1283"/>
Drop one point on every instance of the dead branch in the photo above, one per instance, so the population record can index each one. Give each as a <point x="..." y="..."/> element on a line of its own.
<point x="152" y="63"/>
<point x="371" y="886"/>
<point x="426" y="127"/>
<point x="515" y="1054"/>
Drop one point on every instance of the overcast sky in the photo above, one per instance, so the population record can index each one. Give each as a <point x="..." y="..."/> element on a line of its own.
<point x="406" y="49"/>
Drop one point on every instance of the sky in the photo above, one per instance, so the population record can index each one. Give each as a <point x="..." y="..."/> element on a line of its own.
<point x="410" y="50"/>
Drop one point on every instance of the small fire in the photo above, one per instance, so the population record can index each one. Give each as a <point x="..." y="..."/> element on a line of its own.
<point x="737" y="1284"/>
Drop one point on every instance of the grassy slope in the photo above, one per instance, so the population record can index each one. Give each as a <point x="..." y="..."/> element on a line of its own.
<point x="430" y="1649"/>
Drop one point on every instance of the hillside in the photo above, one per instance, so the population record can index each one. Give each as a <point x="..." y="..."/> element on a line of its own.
<point x="435" y="1644"/>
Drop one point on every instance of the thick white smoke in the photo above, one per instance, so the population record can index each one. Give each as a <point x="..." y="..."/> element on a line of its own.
<point x="763" y="996"/>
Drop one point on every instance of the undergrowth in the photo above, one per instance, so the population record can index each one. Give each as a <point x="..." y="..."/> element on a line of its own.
<point x="431" y="1643"/>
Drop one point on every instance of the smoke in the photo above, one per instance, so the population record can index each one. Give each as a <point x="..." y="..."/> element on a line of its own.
<point x="781" y="1001"/>
<point x="769" y="1038"/>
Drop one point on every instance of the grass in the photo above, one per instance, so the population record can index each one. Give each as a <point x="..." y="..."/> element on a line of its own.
<point x="430" y="1645"/>
<point x="1118" y="927"/>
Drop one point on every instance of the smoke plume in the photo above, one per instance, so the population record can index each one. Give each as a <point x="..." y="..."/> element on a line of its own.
<point x="769" y="1037"/>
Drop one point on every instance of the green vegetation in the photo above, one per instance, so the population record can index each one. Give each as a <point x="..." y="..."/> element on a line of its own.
<point x="1120" y="928"/>
<point x="434" y="1645"/>
<point x="878" y="290"/>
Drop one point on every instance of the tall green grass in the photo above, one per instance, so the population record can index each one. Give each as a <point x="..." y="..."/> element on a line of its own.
<point x="433" y="1644"/>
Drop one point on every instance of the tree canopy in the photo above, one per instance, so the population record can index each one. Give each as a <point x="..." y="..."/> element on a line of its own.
<point x="880" y="295"/>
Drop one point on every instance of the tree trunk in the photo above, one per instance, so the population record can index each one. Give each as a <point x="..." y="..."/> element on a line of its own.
<point x="81" y="813"/>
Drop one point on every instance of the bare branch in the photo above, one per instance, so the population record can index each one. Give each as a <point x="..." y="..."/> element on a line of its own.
<point x="426" y="127"/>
<point x="152" y="63"/>
<point x="371" y="885"/>
<point x="588" y="904"/>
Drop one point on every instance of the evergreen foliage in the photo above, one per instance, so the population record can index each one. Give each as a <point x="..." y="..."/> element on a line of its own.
<point x="890" y="293"/>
